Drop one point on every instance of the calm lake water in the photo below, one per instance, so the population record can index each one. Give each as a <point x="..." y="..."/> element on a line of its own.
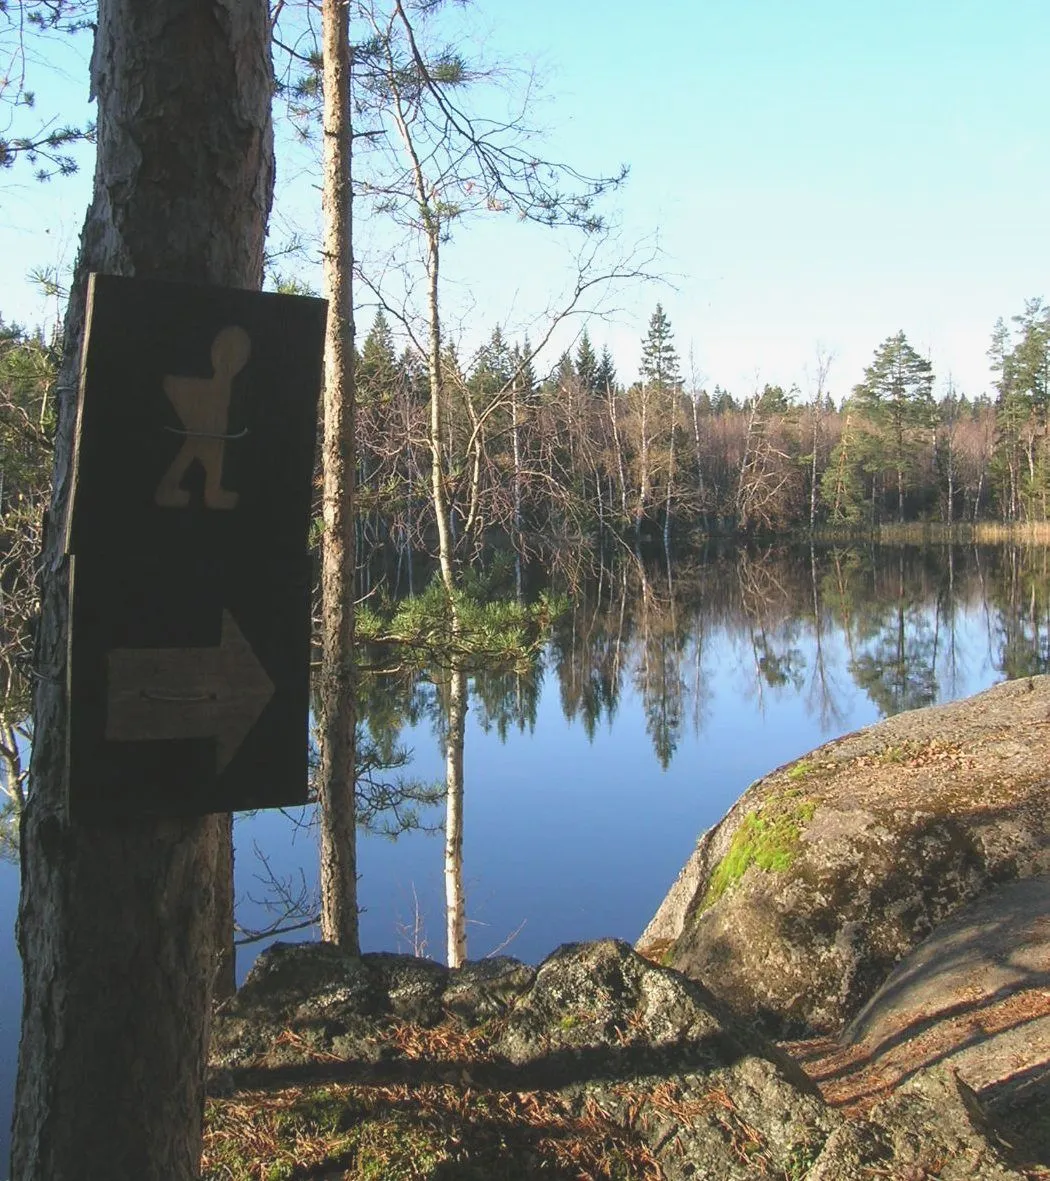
<point x="657" y="702"/>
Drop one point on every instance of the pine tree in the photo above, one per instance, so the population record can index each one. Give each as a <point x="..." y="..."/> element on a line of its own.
<point x="655" y="398"/>
<point x="896" y="396"/>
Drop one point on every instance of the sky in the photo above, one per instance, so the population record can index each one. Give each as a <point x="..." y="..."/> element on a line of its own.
<point x="816" y="174"/>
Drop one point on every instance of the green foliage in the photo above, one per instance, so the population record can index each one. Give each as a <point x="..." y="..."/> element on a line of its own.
<point x="23" y="45"/>
<point x="419" y="629"/>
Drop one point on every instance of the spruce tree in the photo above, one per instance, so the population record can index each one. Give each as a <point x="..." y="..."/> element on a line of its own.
<point x="605" y="374"/>
<point x="587" y="364"/>
<point x="377" y="370"/>
<point x="660" y="366"/>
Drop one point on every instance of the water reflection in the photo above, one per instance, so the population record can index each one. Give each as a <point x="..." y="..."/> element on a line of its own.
<point x="786" y="628"/>
<point x="779" y="613"/>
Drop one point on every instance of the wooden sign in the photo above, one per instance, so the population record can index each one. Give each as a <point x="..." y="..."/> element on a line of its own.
<point x="191" y="584"/>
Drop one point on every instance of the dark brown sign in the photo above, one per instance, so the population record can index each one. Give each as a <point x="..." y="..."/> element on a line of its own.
<point x="190" y="603"/>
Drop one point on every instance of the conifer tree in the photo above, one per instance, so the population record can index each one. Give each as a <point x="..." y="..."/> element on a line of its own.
<point x="896" y="396"/>
<point x="660" y="366"/>
<point x="587" y="364"/>
<point x="605" y="374"/>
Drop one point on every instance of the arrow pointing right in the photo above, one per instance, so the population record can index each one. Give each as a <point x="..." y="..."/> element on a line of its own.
<point x="157" y="693"/>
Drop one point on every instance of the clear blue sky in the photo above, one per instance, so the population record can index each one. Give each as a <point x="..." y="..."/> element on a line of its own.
<point x="823" y="171"/>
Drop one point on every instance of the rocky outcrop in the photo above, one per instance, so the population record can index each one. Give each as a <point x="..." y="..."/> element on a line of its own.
<point x="599" y="1063"/>
<point x="796" y="907"/>
<point x="597" y="1043"/>
<point x="932" y="1127"/>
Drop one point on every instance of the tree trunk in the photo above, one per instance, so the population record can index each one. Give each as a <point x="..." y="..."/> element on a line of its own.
<point x="611" y="399"/>
<point x="226" y="952"/>
<point x="670" y="489"/>
<point x="515" y="426"/>
<point x="455" y="899"/>
<point x="699" y="465"/>
<point x="117" y="919"/>
<point x="336" y="781"/>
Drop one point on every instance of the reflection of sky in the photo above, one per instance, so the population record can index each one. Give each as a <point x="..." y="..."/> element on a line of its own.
<point x="568" y="838"/>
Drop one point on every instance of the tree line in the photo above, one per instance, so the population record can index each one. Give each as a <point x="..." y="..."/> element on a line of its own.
<point x="553" y="466"/>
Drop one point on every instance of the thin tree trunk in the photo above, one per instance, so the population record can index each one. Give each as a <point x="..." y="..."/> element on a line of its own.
<point x="455" y="898"/>
<point x="611" y="398"/>
<point x="336" y="780"/>
<point x="516" y="443"/>
<point x="699" y="464"/>
<point x="455" y="903"/>
<point x="670" y="491"/>
<point x="117" y="918"/>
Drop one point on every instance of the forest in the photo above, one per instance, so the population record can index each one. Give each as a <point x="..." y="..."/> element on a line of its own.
<point x="560" y="468"/>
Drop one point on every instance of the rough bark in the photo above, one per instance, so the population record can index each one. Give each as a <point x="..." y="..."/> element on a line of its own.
<point x="336" y="790"/>
<point x="117" y="919"/>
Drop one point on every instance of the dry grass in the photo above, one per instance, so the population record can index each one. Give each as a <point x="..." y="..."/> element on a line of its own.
<point x="1034" y="533"/>
<point x="408" y="1133"/>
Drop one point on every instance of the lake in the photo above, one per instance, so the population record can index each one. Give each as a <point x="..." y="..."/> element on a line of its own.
<point x="660" y="697"/>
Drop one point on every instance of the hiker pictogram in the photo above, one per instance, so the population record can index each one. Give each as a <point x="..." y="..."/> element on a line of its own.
<point x="203" y="407"/>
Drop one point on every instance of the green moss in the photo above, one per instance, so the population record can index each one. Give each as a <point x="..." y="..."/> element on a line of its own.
<point x="395" y="1148"/>
<point x="767" y="837"/>
<point x="801" y="1158"/>
<point x="801" y="769"/>
<point x="321" y="1113"/>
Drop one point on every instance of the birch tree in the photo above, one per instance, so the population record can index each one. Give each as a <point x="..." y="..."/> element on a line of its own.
<point x="436" y="167"/>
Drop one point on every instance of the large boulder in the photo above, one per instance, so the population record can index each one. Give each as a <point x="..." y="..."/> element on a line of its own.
<point x="796" y="907"/>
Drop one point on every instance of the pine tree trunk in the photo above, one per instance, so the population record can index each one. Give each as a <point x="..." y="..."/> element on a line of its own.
<point x="336" y="781"/>
<point x="117" y="919"/>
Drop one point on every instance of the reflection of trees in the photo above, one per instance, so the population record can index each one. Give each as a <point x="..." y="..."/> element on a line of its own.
<point x="658" y="670"/>
<point x="507" y="698"/>
<point x="770" y="608"/>
<point x="897" y="668"/>
<point x="1022" y="604"/>
<point x="587" y="651"/>
<point x="821" y="697"/>
<point x="15" y="741"/>
<point x="790" y="613"/>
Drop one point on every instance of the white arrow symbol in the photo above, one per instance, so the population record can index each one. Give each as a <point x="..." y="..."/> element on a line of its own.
<point x="188" y="693"/>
